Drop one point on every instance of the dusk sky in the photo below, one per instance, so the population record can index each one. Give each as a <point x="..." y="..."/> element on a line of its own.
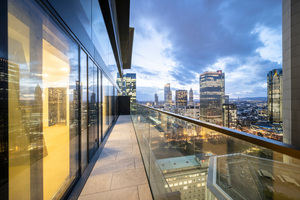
<point x="177" y="40"/>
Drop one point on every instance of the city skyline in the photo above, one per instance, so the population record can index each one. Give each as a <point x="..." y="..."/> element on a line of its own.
<point x="244" y="48"/>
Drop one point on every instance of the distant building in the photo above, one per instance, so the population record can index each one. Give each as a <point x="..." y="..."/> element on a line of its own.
<point x="229" y="115"/>
<point x="191" y="97"/>
<point x="191" y="111"/>
<point x="155" y="99"/>
<point x="186" y="174"/>
<point x="226" y="97"/>
<point x="128" y="85"/>
<point x="275" y="95"/>
<point x="181" y="98"/>
<point x="168" y="94"/>
<point x="212" y="91"/>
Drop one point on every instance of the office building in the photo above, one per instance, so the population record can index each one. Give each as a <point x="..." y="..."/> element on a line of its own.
<point x="290" y="68"/>
<point x="58" y="97"/>
<point x="155" y="99"/>
<point x="275" y="96"/>
<point x="181" y="98"/>
<point x="212" y="91"/>
<point x="168" y="94"/>
<point x="128" y="85"/>
<point x="229" y="115"/>
<point x="226" y="97"/>
<point x="191" y="97"/>
<point x="186" y="174"/>
<point x="191" y="111"/>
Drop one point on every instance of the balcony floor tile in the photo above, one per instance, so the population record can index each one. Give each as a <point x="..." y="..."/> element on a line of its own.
<point x="119" y="172"/>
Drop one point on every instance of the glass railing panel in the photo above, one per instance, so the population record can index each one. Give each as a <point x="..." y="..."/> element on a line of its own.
<point x="157" y="180"/>
<point x="187" y="161"/>
<point x="141" y="125"/>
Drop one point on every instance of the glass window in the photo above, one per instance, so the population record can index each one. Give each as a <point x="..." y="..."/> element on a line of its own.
<point x="84" y="108"/>
<point x="99" y="33"/>
<point x="100" y="105"/>
<point x="43" y="83"/>
<point x="105" y="104"/>
<point x="93" y="107"/>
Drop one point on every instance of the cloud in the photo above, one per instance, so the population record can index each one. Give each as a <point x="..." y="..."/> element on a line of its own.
<point x="177" y="40"/>
<point x="272" y="43"/>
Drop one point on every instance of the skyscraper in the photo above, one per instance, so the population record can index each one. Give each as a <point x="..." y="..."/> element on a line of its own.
<point x="212" y="91"/>
<point x="155" y="99"/>
<point x="168" y="94"/>
<point x="181" y="98"/>
<point x="191" y="97"/>
<point x="290" y="67"/>
<point x="229" y="115"/>
<point x="226" y="97"/>
<point x="275" y="95"/>
<point x="128" y="85"/>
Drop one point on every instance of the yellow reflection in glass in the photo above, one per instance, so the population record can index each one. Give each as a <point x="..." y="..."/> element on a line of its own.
<point x="19" y="156"/>
<point x="56" y="167"/>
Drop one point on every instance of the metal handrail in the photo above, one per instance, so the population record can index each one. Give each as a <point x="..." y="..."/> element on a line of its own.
<point x="287" y="149"/>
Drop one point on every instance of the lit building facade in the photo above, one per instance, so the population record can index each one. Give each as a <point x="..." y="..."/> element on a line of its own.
<point x="275" y="96"/>
<point x="168" y="94"/>
<point x="191" y="97"/>
<point x="58" y="94"/>
<point x="212" y="91"/>
<point x="186" y="174"/>
<point x="128" y="85"/>
<point x="229" y="115"/>
<point x="181" y="98"/>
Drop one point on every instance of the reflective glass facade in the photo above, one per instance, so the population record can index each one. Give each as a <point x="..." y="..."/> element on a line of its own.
<point x="128" y="86"/>
<point x="191" y="97"/>
<point x="181" y="98"/>
<point x="275" y="96"/>
<point x="229" y="115"/>
<point x="56" y="93"/>
<point x="167" y="94"/>
<point x="212" y="91"/>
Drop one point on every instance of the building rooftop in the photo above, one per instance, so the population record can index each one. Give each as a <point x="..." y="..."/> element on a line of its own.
<point x="177" y="163"/>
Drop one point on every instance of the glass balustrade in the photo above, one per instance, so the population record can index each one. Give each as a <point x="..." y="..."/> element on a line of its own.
<point x="184" y="160"/>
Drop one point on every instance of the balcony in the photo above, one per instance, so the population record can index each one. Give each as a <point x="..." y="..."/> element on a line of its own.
<point x="119" y="172"/>
<point x="189" y="159"/>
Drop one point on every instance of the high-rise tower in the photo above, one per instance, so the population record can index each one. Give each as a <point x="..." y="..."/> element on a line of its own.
<point x="181" y="98"/>
<point x="275" y="95"/>
<point x="191" y="97"/>
<point x="128" y="85"/>
<point x="212" y="91"/>
<point x="155" y="99"/>
<point x="290" y="68"/>
<point x="168" y="94"/>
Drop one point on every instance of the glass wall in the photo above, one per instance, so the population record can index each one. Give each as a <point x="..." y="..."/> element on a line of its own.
<point x="93" y="107"/>
<point x="110" y="98"/>
<point x="43" y="104"/>
<point x="54" y="104"/>
<point x="84" y="108"/>
<point x="105" y="104"/>
<point x="100" y="105"/>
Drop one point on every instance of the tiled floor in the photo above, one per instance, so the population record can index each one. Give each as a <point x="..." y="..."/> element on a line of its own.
<point x="119" y="172"/>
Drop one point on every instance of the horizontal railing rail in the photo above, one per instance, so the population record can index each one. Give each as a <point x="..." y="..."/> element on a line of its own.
<point x="274" y="145"/>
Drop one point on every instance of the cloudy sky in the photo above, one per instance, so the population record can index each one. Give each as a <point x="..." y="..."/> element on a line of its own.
<point x="177" y="40"/>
